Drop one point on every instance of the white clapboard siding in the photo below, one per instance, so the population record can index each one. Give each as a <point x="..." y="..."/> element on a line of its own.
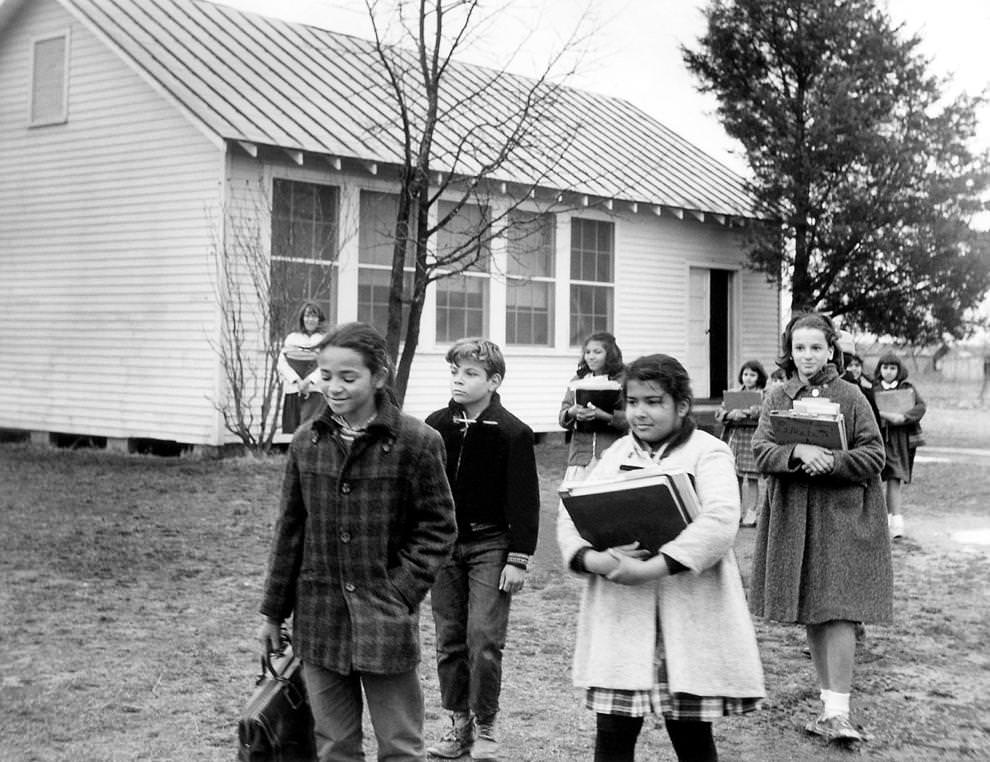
<point x="106" y="302"/>
<point x="652" y="270"/>
<point x="653" y="256"/>
<point x="760" y="315"/>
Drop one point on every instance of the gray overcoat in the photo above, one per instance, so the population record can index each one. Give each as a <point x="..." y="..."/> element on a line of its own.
<point x="822" y="549"/>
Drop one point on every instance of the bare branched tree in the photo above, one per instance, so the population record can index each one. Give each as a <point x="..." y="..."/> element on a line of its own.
<point x="256" y="291"/>
<point x="479" y="140"/>
<point x="250" y="400"/>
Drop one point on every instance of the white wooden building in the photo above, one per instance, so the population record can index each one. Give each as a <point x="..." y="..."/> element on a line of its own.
<point x="136" y="134"/>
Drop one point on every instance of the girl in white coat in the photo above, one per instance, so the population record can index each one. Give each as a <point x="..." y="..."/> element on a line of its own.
<point x="668" y="634"/>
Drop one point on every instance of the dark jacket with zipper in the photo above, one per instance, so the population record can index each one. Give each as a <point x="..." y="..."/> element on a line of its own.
<point x="491" y="467"/>
<point x="361" y="534"/>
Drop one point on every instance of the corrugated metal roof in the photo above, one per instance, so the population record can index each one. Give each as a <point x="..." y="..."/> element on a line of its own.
<point x="264" y="81"/>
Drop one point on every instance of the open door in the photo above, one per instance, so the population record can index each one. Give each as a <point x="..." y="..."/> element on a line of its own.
<point x="709" y="312"/>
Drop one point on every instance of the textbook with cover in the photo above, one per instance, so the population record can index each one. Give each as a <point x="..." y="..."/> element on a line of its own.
<point x="812" y="420"/>
<point x="642" y="506"/>
<point x="894" y="400"/>
<point x="741" y="399"/>
<point x="600" y="391"/>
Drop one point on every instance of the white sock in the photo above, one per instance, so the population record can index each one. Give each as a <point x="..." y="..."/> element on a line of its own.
<point x="835" y="703"/>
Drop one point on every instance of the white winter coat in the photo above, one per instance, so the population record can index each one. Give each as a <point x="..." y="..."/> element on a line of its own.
<point x="708" y="637"/>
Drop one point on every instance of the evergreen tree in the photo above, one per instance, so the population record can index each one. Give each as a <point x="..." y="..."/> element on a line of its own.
<point x="868" y="165"/>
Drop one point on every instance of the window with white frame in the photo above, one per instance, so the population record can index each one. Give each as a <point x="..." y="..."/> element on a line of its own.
<point x="376" y="242"/>
<point x="462" y="299"/>
<point x="592" y="277"/>
<point x="529" y="284"/>
<point x="50" y="80"/>
<point x="304" y="245"/>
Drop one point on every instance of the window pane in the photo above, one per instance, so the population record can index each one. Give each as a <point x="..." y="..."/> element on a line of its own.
<point x="591" y="250"/>
<point x="530" y="239"/>
<point x="459" y="238"/>
<point x="591" y="311"/>
<point x="304" y="220"/>
<point x="529" y="312"/>
<point x="461" y="304"/>
<point x="373" y="287"/>
<point x="292" y="283"/>
<point x="376" y="233"/>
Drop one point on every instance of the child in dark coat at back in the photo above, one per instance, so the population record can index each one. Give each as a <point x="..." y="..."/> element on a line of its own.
<point x="901" y="437"/>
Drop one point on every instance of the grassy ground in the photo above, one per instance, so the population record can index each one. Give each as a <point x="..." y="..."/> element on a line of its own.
<point x="129" y="585"/>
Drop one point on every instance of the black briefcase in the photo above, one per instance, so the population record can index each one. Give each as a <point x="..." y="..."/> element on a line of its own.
<point x="277" y="724"/>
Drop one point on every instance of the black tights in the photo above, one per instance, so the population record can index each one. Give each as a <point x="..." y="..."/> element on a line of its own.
<point x="615" y="739"/>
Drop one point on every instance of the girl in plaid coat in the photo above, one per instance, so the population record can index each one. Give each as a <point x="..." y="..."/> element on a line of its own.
<point x="366" y="521"/>
<point x="668" y="635"/>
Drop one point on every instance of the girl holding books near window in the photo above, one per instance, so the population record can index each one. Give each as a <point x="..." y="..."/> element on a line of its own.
<point x="822" y="557"/>
<point x="297" y="367"/>
<point x="901" y="435"/>
<point x="592" y="406"/>
<point x="669" y="634"/>
<point x="739" y="424"/>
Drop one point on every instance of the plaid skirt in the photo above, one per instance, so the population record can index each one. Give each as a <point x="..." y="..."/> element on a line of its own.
<point x="741" y="443"/>
<point x="660" y="701"/>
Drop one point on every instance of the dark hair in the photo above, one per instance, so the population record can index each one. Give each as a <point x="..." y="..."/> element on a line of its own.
<point x="481" y="351"/>
<point x="311" y="305"/>
<point x="809" y="320"/>
<point x="667" y="373"/>
<point x="367" y="342"/>
<point x="613" y="355"/>
<point x="757" y="367"/>
<point x="889" y="358"/>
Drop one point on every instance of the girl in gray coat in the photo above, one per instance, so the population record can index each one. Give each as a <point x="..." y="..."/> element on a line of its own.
<point x="822" y="557"/>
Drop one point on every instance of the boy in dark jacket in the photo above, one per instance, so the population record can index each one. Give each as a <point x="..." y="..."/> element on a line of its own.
<point x="491" y="467"/>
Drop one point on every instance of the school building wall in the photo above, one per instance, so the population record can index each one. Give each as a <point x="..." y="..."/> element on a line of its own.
<point x="106" y="304"/>
<point x="653" y="257"/>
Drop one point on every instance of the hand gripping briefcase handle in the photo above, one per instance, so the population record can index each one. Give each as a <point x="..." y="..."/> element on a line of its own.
<point x="277" y="724"/>
<point x="293" y="693"/>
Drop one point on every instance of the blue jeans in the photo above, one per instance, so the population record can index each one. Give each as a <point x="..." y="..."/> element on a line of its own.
<point x="395" y="705"/>
<point x="471" y="616"/>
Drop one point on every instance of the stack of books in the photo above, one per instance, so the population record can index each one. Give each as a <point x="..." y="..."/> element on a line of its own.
<point x="642" y="506"/>
<point x="741" y="399"/>
<point x="600" y="391"/>
<point x="812" y="420"/>
<point x="894" y="400"/>
<point x="302" y="361"/>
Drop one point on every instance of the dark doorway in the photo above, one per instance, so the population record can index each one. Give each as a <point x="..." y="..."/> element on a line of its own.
<point x="718" y="334"/>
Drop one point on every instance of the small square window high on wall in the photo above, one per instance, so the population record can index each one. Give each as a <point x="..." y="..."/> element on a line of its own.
<point x="50" y="80"/>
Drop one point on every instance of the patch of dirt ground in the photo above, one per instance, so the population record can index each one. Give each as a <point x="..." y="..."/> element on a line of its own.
<point x="129" y="587"/>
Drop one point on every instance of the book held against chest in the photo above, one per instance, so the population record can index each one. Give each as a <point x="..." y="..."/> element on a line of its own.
<point x="741" y="399"/>
<point x="643" y="506"/>
<point x="602" y="392"/>
<point x="823" y="429"/>
<point x="894" y="400"/>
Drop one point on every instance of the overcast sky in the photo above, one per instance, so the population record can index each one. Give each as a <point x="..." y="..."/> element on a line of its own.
<point x="634" y="49"/>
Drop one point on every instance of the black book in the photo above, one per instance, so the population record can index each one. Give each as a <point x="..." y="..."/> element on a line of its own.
<point x="639" y="506"/>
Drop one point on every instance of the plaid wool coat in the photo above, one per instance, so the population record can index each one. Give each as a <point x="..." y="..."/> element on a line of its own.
<point x="360" y="537"/>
